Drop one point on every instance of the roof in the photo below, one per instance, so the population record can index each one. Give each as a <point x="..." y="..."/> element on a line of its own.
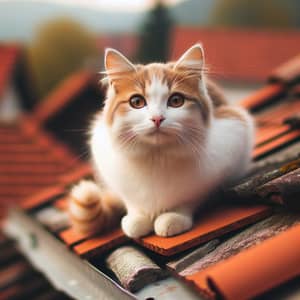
<point x="238" y="55"/>
<point x="32" y="157"/>
<point x="213" y="256"/>
<point x="30" y="160"/>
<point x="77" y="97"/>
<point x="9" y="54"/>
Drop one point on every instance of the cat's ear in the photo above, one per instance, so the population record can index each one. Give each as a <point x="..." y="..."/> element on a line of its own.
<point x="115" y="62"/>
<point x="192" y="59"/>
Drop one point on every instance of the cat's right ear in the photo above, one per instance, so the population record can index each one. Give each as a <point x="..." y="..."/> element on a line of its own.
<point x="192" y="59"/>
<point x="116" y="63"/>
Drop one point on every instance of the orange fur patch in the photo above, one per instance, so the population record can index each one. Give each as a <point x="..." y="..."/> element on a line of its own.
<point x="229" y="112"/>
<point x="215" y="93"/>
<point x="182" y="81"/>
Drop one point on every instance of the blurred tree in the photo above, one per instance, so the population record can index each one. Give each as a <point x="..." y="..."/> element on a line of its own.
<point x="155" y="33"/>
<point x="252" y="13"/>
<point x="60" y="47"/>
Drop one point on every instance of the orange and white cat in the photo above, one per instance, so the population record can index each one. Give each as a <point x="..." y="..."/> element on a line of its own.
<point x="165" y="139"/>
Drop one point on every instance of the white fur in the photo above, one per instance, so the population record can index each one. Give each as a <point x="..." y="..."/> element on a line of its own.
<point x="86" y="192"/>
<point x="160" y="179"/>
<point x="147" y="188"/>
<point x="172" y="223"/>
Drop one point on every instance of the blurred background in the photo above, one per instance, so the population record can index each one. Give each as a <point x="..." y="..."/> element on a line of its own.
<point x="51" y="53"/>
<point x="244" y="40"/>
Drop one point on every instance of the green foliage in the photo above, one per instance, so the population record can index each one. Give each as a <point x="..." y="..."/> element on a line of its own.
<point x="155" y="33"/>
<point x="252" y="13"/>
<point x="60" y="47"/>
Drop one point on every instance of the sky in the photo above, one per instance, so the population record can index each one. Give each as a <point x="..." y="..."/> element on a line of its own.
<point x="120" y="5"/>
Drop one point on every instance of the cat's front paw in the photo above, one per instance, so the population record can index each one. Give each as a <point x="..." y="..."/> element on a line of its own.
<point x="172" y="223"/>
<point x="136" y="226"/>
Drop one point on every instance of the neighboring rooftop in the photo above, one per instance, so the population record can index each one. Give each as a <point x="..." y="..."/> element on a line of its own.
<point x="236" y="54"/>
<point x="67" y="111"/>
<point x="30" y="160"/>
<point x="8" y="57"/>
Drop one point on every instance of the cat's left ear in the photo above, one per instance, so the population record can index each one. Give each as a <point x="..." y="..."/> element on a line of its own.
<point x="115" y="62"/>
<point x="192" y="59"/>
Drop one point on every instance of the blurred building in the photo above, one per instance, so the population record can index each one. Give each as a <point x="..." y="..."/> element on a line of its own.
<point x="127" y="43"/>
<point x="239" y="58"/>
<point x="16" y="86"/>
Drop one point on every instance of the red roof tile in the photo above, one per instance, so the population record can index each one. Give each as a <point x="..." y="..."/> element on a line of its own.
<point x="262" y="96"/>
<point x="235" y="54"/>
<point x="276" y="103"/>
<point x="287" y="72"/>
<point x="276" y="142"/>
<point x="209" y="226"/>
<point x="101" y="243"/>
<point x="30" y="160"/>
<point x="8" y="59"/>
<point x="255" y="270"/>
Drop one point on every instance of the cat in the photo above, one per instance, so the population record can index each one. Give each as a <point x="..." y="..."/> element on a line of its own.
<point x="165" y="139"/>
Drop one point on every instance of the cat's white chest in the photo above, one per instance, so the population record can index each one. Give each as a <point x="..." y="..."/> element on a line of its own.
<point x="152" y="185"/>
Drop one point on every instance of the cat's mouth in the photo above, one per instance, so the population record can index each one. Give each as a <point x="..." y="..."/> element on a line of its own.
<point x="156" y="131"/>
<point x="157" y="136"/>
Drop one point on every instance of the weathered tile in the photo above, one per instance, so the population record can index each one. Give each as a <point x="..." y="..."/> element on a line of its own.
<point x="133" y="268"/>
<point x="208" y="226"/>
<point x="255" y="270"/>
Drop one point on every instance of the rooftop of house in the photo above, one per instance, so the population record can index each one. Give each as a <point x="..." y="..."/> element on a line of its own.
<point x="238" y="55"/>
<point x="32" y="156"/>
<point x="243" y="233"/>
<point x="30" y="160"/>
<point x="66" y="111"/>
<point x="8" y="58"/>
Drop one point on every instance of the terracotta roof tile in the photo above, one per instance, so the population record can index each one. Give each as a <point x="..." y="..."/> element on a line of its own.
<point x="30" y="160"/>
<point x="71" y="237"/>
<point x="209" y="226"/>
<point x="42" y="197"/>
<point x="255" y="270"/>
<point x="267" y="134"/>
<point x="276" y="143"/>
<point x="263" y="96"/>
<point x="273" y="106"/>
<point x="235" y="54"/>
<point x="100" y="244"/>
<point x="288" y="72"/>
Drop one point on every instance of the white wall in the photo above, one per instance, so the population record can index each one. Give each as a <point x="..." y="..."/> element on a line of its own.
<point x="10" y="108"/>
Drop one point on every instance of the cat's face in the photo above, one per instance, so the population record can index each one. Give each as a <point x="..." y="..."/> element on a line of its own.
<point x="157" y="104"/>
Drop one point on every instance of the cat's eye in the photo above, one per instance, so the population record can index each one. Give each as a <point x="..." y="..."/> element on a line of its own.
<point x="176" y="100"/>
<point x="137" y="101"/>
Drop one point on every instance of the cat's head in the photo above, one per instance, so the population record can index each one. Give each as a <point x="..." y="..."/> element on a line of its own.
<point x="157" y="104"/>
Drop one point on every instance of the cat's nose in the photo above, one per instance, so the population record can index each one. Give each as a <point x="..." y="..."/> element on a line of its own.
<point x="157" y="120"/>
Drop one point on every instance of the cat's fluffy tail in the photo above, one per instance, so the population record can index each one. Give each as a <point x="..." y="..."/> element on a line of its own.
<point x="92" y="211"/>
